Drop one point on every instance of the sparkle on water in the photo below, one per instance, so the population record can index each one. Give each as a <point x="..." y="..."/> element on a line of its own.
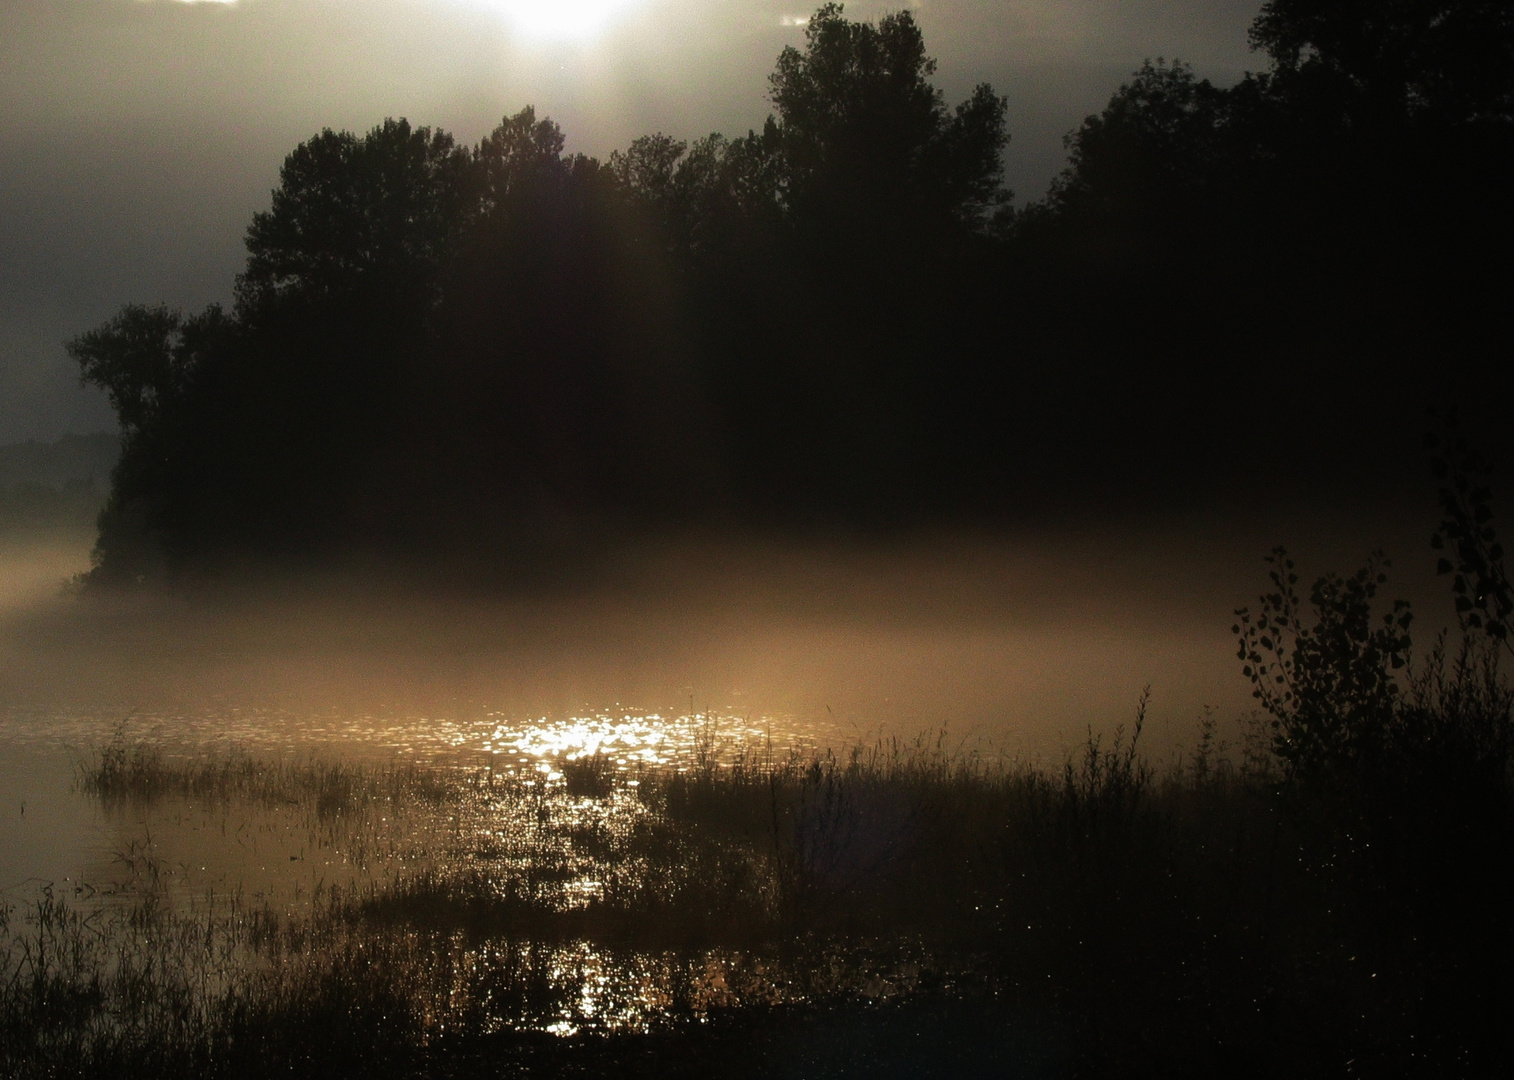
<point x="513" y="820"/>
<point x="472" y="736"/>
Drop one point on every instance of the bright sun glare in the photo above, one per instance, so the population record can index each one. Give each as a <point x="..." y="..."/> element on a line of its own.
<point x="560" y="19"/>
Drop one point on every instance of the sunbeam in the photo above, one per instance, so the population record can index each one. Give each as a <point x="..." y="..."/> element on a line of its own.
<point x="559" y="20"/>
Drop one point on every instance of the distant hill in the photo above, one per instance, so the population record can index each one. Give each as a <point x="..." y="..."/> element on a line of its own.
<point x="74" y="461"/>
<point x="57" y="485"/>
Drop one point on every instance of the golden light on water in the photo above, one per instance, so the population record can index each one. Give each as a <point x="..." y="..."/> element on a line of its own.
<point x="628" y="741"/>
<point x="494" y="814"/>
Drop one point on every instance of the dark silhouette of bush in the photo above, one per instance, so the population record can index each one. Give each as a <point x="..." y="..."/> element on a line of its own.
<point x="1330" y="683"/>
<point x="1397" y="787"/>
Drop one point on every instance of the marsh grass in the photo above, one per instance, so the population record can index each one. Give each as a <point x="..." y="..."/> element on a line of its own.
<point x="225" y="989"/>
<point x="592" y="775"/>
<point x="1208" y="918"/>
<point x="134" y="771"/>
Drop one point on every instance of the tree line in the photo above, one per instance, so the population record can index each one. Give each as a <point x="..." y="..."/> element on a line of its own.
<point x="839" y="320"/>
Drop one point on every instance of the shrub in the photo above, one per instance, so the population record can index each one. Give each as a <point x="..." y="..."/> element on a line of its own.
<point x="1327" y="673"/>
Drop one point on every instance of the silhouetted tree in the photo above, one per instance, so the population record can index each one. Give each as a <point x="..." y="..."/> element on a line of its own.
<point x="137" y="360"/>
<point x="1165" y="138"/>
<point x="1345" y="202"/>
<point x="520" y="159"/>
<point x="390" y="205"/>
<point x="1448" y="61"/>
<point x="564" y="379"/>
<point x="834" y="318"/>
<point x="148" y="361"/>
<point x="867" y="143"/>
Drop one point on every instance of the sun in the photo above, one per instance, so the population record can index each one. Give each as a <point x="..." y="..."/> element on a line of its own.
<point x="560" y="19"/>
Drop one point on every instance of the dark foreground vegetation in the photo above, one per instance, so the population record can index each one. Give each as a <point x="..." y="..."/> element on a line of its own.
<point x="1326" y="898"/>
<point x="479" y="356"/>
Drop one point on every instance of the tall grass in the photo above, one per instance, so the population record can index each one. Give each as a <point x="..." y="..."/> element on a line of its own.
<point x="1212" y="918"/>
<point x="126" y="771"/>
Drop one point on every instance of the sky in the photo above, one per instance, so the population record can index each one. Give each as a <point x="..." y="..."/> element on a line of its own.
<point x="139" y="136"/>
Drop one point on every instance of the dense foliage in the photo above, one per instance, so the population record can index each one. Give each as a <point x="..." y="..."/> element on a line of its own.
<point x="839" y="320"/>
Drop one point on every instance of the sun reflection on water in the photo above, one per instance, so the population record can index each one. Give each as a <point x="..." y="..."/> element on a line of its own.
<point x="632" y="738"/>
<point x="546" y="816"/>
<point x="642" y="740"/>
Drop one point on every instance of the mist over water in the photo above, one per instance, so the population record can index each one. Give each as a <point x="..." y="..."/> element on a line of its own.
<point x="657" y="657"/>
<point x="1012" y="645"/>
<point x="1008" y="647"/>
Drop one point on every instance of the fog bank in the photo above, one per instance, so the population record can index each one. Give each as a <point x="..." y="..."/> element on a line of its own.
<point x="1013" y="644"/>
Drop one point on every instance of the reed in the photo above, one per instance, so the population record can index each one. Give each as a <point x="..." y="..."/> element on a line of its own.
<point x="1209" y="918"/>
<point x="134" y="771"/>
